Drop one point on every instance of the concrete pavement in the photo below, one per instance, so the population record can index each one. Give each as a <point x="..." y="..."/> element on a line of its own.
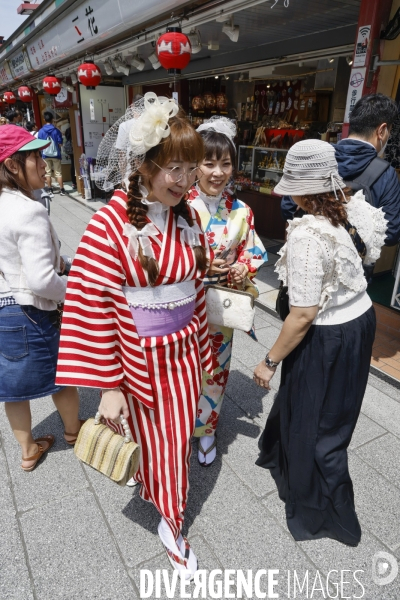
<point x="68" y="533"/>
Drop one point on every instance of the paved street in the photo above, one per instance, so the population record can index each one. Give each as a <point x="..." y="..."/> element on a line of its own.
<point x="68" y="533"/>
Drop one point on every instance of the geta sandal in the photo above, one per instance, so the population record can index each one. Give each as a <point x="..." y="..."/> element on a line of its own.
<point x="40" y="453"/>
<point x="205" y="452"/>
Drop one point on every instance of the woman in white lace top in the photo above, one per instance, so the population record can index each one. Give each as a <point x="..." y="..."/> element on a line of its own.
<point x="325" y="345"/>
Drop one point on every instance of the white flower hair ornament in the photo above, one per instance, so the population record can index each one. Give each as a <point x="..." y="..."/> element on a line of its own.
<point x="152" y="125"/>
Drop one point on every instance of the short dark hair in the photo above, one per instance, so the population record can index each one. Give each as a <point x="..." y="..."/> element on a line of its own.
<point x="370" y="112"/>
<point x="12" y="114"/>
<point x="217" y="145"/>
<point x="29" y="126"/>
<point x="48" y="116"/>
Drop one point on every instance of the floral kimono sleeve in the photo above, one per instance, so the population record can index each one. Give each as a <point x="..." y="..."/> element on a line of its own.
<point x="250" y="249"/>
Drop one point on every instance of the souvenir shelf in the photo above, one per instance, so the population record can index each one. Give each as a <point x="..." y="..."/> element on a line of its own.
<point x="261" y="167"/>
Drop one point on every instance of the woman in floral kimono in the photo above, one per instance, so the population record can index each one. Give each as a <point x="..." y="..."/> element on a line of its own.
<point x="239" y="253"/>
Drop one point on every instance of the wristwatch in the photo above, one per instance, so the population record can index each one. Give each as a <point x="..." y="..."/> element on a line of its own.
<point x="270" y="363"/>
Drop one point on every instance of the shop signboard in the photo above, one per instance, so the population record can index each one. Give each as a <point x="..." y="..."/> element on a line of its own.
<point x="88" y="22"/>
<point x="363" y="37"/>
<point x="5" y="73"/>
<point x="20" y="65"/>
<point x="100" y="108"/>
<point x="355" y="91"/>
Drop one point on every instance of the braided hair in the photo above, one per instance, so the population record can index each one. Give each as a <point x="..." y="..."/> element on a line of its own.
<point x="185" y="144"/>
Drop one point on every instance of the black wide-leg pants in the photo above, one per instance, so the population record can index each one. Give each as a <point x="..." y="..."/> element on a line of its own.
<point x="308" y="431"/>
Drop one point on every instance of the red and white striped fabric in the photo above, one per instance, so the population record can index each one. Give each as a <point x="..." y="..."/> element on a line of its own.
<point x="160" y="376"/>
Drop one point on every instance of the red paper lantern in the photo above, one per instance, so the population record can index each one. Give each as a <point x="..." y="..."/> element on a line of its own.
<point x="25" y="93"/>
<point x="52" y="85"/>
<point x="9" y="98"/>
<point x="89" y="74"/>
<point x="174" y="50"/>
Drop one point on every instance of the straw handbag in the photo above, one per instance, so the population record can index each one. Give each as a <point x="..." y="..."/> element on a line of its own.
<point x="108" y="452"/>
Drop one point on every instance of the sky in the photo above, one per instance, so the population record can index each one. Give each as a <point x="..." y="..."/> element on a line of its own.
<point x="10" y="20"/>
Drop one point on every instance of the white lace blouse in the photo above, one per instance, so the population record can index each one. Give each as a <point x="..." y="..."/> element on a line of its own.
<point x="321" y="266"/>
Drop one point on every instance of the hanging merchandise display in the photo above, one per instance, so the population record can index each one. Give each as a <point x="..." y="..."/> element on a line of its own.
<point x="9" y="97"/>
<point x="25" y="93"/>
<point x="197" y="103"/>
<point x="84" y="167"/>
<point x="52" y="85"/>
<point x="89" y="75"/>
<point x="209" y="100"/>
<point x="174" y="50"/>
<point x="221" y="101"/>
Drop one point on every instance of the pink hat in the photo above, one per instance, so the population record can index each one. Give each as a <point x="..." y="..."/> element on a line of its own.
<point x="14" y="138"/>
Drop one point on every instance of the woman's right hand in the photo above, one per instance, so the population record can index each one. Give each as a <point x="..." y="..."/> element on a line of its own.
<point x="113" y="404"/>
<point x="218" y="266"/>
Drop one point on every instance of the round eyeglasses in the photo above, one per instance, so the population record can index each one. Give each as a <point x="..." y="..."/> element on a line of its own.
<point x="176" y="174"/>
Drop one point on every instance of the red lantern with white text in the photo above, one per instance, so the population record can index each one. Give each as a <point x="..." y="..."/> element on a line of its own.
<point x="52" y="85"/>
<point x="9" y="98"/>
<point x="174" y="50"/>
<point x="89" y="74"/>
<point x="25" y="93"/>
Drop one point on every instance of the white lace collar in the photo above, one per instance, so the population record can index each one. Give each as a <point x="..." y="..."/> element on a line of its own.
<point x="211" y="202"/>
<point x="156" y="211"/>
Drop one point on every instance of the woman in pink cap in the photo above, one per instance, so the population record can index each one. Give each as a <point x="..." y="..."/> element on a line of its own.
<point x="30" y="290"/>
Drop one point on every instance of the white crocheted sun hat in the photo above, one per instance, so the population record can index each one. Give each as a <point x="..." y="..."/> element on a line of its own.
<point x="310" y="168"/>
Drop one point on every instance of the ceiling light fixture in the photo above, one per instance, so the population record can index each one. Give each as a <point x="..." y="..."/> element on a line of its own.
<point x="216" y="77"/>
<point x="331" y="60"/>
<point x="109" y="69"/>
<point x="349" y="60"/>
<point x="153" y="58"/>
<point x="121" y="66"/>
<point x="226" y="77"/>
<point x="138" y="62"/>
<point x="195" y="40"/>
<point x="231" y="30"/>
<point x="241" y="77"/>
<point x="213" y="45"/>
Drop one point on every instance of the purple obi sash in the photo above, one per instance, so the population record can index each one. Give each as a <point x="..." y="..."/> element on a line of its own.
<point x="163" y="309"/>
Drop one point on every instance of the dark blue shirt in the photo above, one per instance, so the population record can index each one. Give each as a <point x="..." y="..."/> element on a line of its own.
<point x="353" y="157"/>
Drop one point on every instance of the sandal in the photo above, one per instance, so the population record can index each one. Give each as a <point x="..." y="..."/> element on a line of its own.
<point x="205" y="452"/>
<point x="74" y="435"/>
<point x="187" y="564"/>
<point x="41" y="451"/>
<point x="181" y="564"/>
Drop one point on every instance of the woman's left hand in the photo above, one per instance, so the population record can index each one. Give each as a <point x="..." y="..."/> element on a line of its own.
<point x="263" y="375"/>
<point x="238" y="273"/>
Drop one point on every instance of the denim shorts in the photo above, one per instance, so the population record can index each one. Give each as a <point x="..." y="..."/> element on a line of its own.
<point x="28" y="353"/>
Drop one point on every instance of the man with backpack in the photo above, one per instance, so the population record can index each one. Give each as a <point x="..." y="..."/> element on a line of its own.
<point x="52" y="154"/>
<point x="370" y="123"/>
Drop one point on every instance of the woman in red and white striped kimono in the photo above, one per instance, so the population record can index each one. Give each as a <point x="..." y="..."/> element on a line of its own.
<point x="134" y="321"/>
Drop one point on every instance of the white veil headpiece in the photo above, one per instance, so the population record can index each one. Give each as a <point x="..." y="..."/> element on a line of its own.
<point x="124" y="146"/>
<point x="220" y="125"/>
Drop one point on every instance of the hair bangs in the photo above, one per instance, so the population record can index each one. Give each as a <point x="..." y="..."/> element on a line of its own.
<point x="218" y="146"/>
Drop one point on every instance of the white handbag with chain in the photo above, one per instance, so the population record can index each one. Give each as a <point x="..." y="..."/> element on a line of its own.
<point x="230" y="308"/>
